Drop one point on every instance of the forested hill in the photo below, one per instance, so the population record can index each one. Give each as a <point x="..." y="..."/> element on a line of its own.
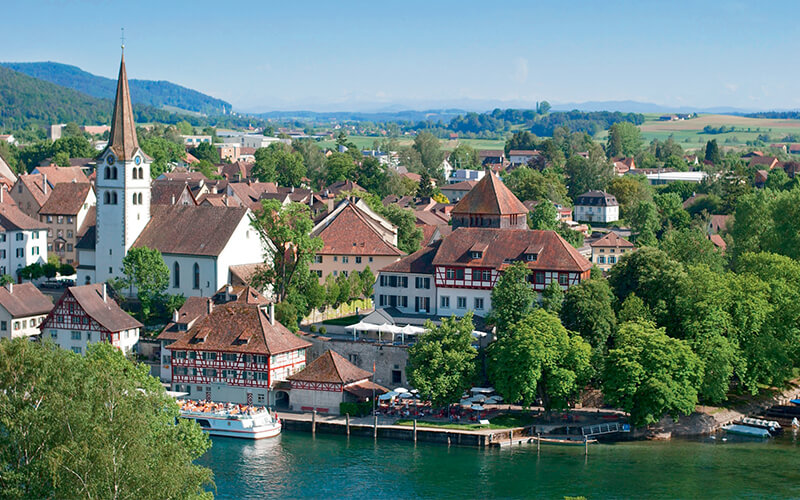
<point x="25" y="100"/>
<point x="148" y="92"/>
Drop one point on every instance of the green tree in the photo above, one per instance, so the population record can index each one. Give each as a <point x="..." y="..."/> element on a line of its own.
<point x="777" y="179"/>
<point x="144" y="269"/>
<point x="586" y="174"/>
<point x="624" y="139"/>
<point x="544" y="216"/>
<point x="442" y="363"/>
<point x="206" y="151"/>
<point x="71" y="129"/>
<point x="163" y="151"/>
<point x="529" y="184"/>
<point x="649" y="374"/>
<point x="670" y="208"/>
<point x="521" y="139"/>
<point x="552" y="298"/>
<point x="430" y="154"/>
<point x="94" y="426"/>
<point x="512" y="298"/>
<point x="537" y="357"/>
<point x="408" y="234"/>
<point x="339" y="167"/>
<point x="286" y="230"/>
<point x="464" y="156"/>
<point x="425" y="189"/>
<point x="6" y="279"/>
<point x="588" y="310"/>
<point x="372" y="176"/>
<point x="645" y="223"/>
<point x="629" y="190"/>
<point x="634" y="309"/>
<point x="691" y="246"/>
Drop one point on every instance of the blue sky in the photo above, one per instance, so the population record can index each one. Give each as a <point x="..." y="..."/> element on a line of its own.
<point x="418" y="54"/>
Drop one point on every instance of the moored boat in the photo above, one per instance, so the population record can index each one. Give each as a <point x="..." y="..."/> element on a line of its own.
<point x="232" y="420"/>
<point x="746" y="430"/>
<point x="771" y="425"/>
<point x="795" y="401"/>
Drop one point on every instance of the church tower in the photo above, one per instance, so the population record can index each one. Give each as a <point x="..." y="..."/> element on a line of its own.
<point x="123" y="187"/>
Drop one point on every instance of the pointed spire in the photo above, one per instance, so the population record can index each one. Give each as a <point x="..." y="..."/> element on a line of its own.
<point x="122" y="140"/>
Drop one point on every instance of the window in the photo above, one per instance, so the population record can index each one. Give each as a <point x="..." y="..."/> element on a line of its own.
<point x="114" y="194"/>
<point x="344" y="273"/>
<point x="69" y="219"/>
<point x="76" y="350"/>
<point x="88" y="336"/>
<point x="370" y="259"/>
<point x="75" y="335"/>
<point x="461" y="302"/>
<point x="20" y="236"/>
<point x="49" y="220"/>
<point x="487" y="275"/>
<point x="358" y="260"/>
<point x="397" y="377"/>
<point x="196" y="274"/>
<point x="176" y="275"/>
<point x="336" y="258"/>
<point x="563" y="278"/>
<point x="106" y="200"/>
<point x="60" y="219"/>
<point x="479" y="303"/>
<point x="538" y="277"/>
<point x="34" y="251"/>
<point x="260" y="398"/>
<point x="612" y="259"/>
<point x="318" y="259"/>
<point x="476" y="275"/>
<point x="3" y="325"/>
<point x="53" y="334"/>
<point x="475" y="255"/>
<point x="69" y="247"/>
<point x="20" y="252"/>
<point x="531" y="257"/>
<point x="345" y="259"/>
<point x="601" y="260"/>
<point x="445" y="301"/>
<point x="422" y="283"/>
<point x="450" y="274"/>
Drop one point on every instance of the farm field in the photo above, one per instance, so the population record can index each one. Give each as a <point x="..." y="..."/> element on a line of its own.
<point x="366" y="142"/>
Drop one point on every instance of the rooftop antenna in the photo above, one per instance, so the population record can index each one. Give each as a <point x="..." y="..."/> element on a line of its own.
<point x="122" y="39"/>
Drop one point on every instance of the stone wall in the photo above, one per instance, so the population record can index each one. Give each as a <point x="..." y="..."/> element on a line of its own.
<point x="387" y="358"/>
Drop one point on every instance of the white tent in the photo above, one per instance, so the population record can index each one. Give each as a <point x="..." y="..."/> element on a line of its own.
<point x="482" y="390"/>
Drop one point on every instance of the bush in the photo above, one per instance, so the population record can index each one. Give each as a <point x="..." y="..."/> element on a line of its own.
<point x="323" y="330"/>
<point x="50" y="270"/>
<point x="361" y="409"/>
<point x="313" y="329"/>
<point x="286" y="314"/>
<point x="66" y="270"/>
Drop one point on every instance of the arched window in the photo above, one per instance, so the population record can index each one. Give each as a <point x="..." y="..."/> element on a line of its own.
<point x="134" y="173"/>
<point x="176" y="275"/>
<point x="107" y="173"/>
<point x="140" y="198"/>
<point x="107" y="197"/>
<point x="134" y="198"/>
<point x="114" y="198"/>
<point x="141" y="173"/>
<point x="114" y="172"/>
<point x="196" y="276"/>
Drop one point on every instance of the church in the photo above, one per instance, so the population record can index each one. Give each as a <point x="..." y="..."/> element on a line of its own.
<point x="199" y="244"/>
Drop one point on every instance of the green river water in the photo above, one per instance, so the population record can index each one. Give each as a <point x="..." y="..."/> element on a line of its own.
<point x="298" y="465"/>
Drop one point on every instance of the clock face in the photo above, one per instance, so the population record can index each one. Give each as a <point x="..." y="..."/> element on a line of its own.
<point x="138" y="160"/>
<point x="110" y="159"/>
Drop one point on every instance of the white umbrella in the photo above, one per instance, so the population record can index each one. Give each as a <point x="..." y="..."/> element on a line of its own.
<point x="388" y="395"/>
<point x="493" y="400"/>
<point x="476" y="407"/>
<point x="480" y="398"/>
<point x="407" y="395"/>
<point x="412" y="330"/>
<point x="465" y="402"/>
<point x="401" y="390"/>
<point x="482" y="390"/>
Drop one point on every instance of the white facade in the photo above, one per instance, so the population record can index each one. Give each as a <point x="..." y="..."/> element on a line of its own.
<point x="417" y="297"/>
<point x="22" y="248"/>
<point x="596" y="213"/>
<point x="123" y="210"/>
<point x="11" y="328"/>
<point x="463" y="174"/>
<point x="78" y="340"/>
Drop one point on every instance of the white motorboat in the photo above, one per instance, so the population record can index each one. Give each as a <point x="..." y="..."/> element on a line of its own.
<point x="232" y="420"/>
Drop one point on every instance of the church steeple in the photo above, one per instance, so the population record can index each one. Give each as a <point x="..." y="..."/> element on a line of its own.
<point x="122" y="141"/>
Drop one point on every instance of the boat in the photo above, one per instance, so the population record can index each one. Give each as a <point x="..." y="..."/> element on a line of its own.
<point x="231" y="420"/>
<point x="771" y="425"/>
<point x="746" y="430"/>
<point x="795" y="401"/>
<point x="563" y="441"/>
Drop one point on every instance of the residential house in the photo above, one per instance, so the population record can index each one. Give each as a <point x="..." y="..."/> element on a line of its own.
<point x="794" y="149"/>
<point x="68" y="213"/>
<point x="23" y="239"/>
<point x="492" y="158"/>
<point x="769" y="162"/>
<point x="195" y="140"/>
<point x="168" y="192"/>
<point x="454" y="192"/>
<point x="519" y="157"/>
<point x="462" y="174"/>
<point x="22" y="309"/>
<point x="330" y="380"/>
<point x="623" y="166"/>
<point x="607" y="250"/>
<point x="760" y="178"/>
<point x="596" y="206"/>
<point x="31" y="191"/>
<point x="234" y="351"/>
<point x="718" y="223"/>
<point x="354" y="238"/>
<point x="87" y="314"/>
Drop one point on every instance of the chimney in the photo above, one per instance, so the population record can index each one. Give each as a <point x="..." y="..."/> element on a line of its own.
<point x="175" y="316"/>
<point x="10" y="287"/>
<point x="210" y="306"/>
<point x="105" y="292"/>
<point x="44" y="183"/>
<point x="2" y="192"/>
<point x="272" y="313"/>
<point x="173" y="199"/>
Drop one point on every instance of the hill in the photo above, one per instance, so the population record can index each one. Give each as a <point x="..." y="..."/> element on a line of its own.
<point x="147" y="92"/>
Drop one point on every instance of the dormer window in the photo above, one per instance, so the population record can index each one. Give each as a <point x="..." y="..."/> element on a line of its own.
<point x="475" y="254"/>
<point x="531" y="257"/>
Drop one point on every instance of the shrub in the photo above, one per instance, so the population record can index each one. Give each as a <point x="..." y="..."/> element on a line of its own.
<point x="323" y="330"/>
<point x="313" y="329"/>
<point x="66" y="270"/>
<point x="361" y="409"/>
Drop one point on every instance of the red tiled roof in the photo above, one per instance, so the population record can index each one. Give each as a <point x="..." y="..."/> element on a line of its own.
<point x="419" y="262"/>
<point x="343" y="186"/>
<point x="365" y="389"/>
<point x="166" y="192"/>
<point x="238" y="327"/>
<point x="718" y="241"/>
<point x="764" y="160"/>
<point x="523" y="152"/>
<point x="508" y="245"/>
<point x="459" y="186"/>
<point x="67" y="198"/>
<point x="57" y="175"/>
<point x="490" y="197"/>
<point x="107" y="313"/>
<point x="13" y="219"/>
<point x="719" y="222"/>
<point x="350" y="233"/>
<point x="612" y="239"/>
<point x="24" y="300"/>
<point x="331" y="368"/>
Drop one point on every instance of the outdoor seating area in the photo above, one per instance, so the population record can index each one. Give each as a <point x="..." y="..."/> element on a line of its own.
<point x="387" y="333"/>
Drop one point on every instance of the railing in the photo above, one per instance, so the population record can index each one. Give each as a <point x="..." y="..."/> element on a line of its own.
<point x="611" y="427"/>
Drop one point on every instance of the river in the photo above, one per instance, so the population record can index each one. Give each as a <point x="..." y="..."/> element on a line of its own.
<point x="297" y="465"/>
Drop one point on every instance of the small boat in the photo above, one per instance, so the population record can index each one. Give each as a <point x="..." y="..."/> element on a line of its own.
<point x="564" y="441"/>
<point x="746" y="430"/>
<point x="231" y="420"/>
<point x="771" y="425"/>
<point x="795" y="401"/>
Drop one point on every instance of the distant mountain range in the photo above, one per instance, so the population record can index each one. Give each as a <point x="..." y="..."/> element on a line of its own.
<point x="158" y="94"/>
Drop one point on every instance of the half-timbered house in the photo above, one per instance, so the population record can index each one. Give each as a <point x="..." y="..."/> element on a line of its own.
<point x="87" y="314"/>
<point x="234" y="350"/>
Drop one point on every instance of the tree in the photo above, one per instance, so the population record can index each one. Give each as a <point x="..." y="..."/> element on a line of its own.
<point x="286" y="230"/>
<point x="552" y="298"/>
<point x="339" y="167"/>
<point x="521" y="139"/>
<point x="206" y="151"/>
<point x="6" y="279"/>
<point x="537" y="357"/>
<point x="529" y="184"/>
<point x="649" y="374"/>
<point x="588" y="310"/>
<point x="290" y="169"/>
<point x="634" y="309"/>
<point x="712" y="152"/>
<point x="464" y="156"/>
<point x="624" y="139"/>
<point x="425" y="189"/>
<point x="163" y="151"/>
<point x="313" y="159"/>
<point x="408" y="234"/>
<point x="629" y="190"/>
<point x="512" y="298"/>
<point x="430" y="154"/>
<point x="670" y="208"/>
<point x="372" y="176"/>
<point x="586" y="174"/>
<point x="691" y="246"/>
<point x="144" y="268"/>
<point x="94" y="426"/>
<point x="777" y="179"/>
<point x="72" y="129"/>
<point x="544" y="216"/>
<point x="645" y="223"/>
<point x="441" y="364"/>
<point x="543" y="108"/>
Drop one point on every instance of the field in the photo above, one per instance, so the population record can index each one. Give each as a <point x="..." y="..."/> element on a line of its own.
<point x="365" y="142"/>
<point x="690" y="135"/>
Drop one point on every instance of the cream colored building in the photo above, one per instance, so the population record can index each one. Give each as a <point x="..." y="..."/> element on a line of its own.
<point x="22" y="309"/>
<point x="609" y="249"/>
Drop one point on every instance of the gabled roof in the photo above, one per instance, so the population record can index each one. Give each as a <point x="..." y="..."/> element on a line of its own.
<point x="67" y="198"/>
<point x="169" y="192"/>
<point x="35" y="185"/>
<point x="614" y="240"/>
<point x="504" y="246"/>
<point x="343" y="186"/>
<point x="182" y="174"/>
<point x="350" y="231"/>
<point x="596" y="198"/>
<point x="24" y="300"/>
<point x="13" y="219"/>
<point x="459" y="186"/>
<point x="718" y="241"/>
<point x="331" y="368"/>
<point x="419" y="262"/>
<point x="56" y="175"/>
<point x="122" y="140"/>
<point x="107" y="313"/>
<point x="490" y="197"/>
<point x="190" y="229"/>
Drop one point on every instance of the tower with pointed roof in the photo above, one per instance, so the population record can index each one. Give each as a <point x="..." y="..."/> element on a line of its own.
<point x="490" y="204"/>
<point x="123" y="187"/>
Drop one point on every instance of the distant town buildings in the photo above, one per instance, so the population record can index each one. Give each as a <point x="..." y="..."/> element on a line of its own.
<point x="596" y="206"/>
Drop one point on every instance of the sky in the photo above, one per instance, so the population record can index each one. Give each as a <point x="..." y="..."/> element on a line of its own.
<point x="376" y="55"/>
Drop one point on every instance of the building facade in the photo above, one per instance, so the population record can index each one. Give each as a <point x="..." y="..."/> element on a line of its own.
<point x="23" y="308"/>
<point x="609" y="249"/>
<point x="596" y="206"/>
<point x="67" y="213"/>
<point x="23" y="240"/>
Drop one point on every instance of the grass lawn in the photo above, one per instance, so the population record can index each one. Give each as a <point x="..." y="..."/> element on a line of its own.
<point x="498" y="422"/>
